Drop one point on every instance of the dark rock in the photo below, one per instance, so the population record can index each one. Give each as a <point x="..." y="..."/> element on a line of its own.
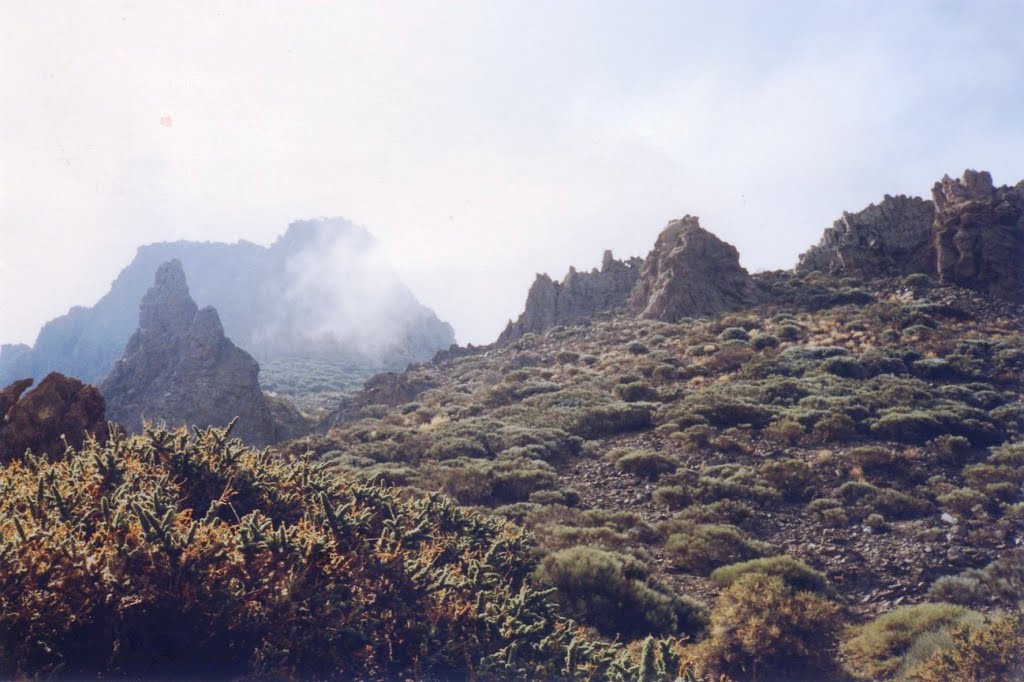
<point x="979" y="235"/>
<point x="179" y="367"/>
<point x="891" y="238"/>
<point x="60" y="411"/>
<point x="579" y="296"/>
<point x="691" y="272"/>
<point x="10" y="395"/>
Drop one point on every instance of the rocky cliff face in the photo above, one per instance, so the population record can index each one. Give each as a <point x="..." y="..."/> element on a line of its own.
<point x="971" y="234"/>
<point x="179" y="367"/>
<point x="579" y="296"/>
<point x="891" y="238"/>
<point x="316" y="292"/>
<point x="979" y="235"/>
<point x="691" y="272"/>
<point x="58" y="411"/>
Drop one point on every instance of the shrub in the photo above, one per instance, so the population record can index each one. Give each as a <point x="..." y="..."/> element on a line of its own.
<point x="877" y="649"/>
<point x="636" y="391"/>
<point x="646" y="464"/>
<point x="191" y="556"/>
<point x="734" y="334"/>
<point x="762" y="630"/>
<point x="636" y="348"/>
<point x="706" y="547"/>
<point x="613" y="593"/>
<point x="791" y="477"/>
<point x="908" y="426"/>
<point x="991" y="651"/>
<point x="795" y="573"/>
<point x="612" y="418"/>
<point x="844" y="366"/>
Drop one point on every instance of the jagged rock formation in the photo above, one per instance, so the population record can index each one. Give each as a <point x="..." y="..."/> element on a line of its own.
<point x="316" y="292"/>
<point x="579" y="296"/>
<point x="979" y="234"/>
<point x="58" y="411"/>
<point x="691" y="272"/>
<point x="971" y="234"/>
<point x="179" y="367"/>
<point x="891" y="238"/>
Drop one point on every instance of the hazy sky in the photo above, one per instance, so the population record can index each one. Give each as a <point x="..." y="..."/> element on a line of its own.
<point x="482" y="142"/>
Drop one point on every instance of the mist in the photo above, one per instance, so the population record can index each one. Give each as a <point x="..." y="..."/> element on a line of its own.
<point x="479" y="143"/>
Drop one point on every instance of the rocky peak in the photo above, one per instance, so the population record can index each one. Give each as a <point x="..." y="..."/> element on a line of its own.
<point x="179" y="367"/>
<point x="580" y="295"/>
<point x="167" y="307"/>
<point x="691" y="272"/>
<point x="979" y="234"/>
<point x="891" y="238"/>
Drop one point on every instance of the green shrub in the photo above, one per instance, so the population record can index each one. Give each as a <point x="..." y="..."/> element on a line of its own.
<point x="877" y="649"/>
<point x="795" y="573"/>
<point x="704" y="548"/>
<point x="636" y="348"/>
<point x="612" y="418"/>
<point x="844" y="366"/>
<point x="991" y="651"/>
<point x="636" y="391"/>
<point x="192" y="556"/>
<point x="614" y="593"/>
<point x="734" y="334"/>
<point x="646" y="464"/>
<point x="762" y="630"/>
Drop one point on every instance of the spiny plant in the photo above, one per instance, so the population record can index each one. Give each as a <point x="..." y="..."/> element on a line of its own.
<point x="191" y="555"/>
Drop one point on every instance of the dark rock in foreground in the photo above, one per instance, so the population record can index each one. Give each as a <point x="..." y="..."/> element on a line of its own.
<point x="59" y="412"/>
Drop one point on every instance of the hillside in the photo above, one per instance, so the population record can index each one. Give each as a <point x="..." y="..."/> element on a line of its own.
<point x="855" y="431"/>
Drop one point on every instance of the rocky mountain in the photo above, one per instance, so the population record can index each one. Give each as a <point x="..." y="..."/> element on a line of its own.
<point x="318" y="292"/>
<point x="892" y="237"/>
<point x="58" y="413"/>
<point x="971" y="233"/>
<point x="579" y="296"/>
<point x="179" y="367"/>
<point x="691" y="272"/>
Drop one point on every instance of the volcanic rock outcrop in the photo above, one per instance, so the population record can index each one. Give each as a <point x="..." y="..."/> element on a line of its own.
<point x="179" y="367"/>
<point x="979" y="235"/>
<point x="318" y="291"/>
<point x="58" y="411"/>
<point x="891" y="238"/>
<point x="579" y="296"/>
<point x="691" y="272"/>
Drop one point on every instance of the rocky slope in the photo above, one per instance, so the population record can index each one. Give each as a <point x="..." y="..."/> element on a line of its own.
<point x="317" y="292"/>
<point x="579" y="296"/>
<point x="179" y="367"/>
<point x="57" y="413"/>
<point x="689" y="273"/>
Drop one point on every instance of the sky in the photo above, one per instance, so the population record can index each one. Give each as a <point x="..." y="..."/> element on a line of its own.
<point x="480" y="142"/>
